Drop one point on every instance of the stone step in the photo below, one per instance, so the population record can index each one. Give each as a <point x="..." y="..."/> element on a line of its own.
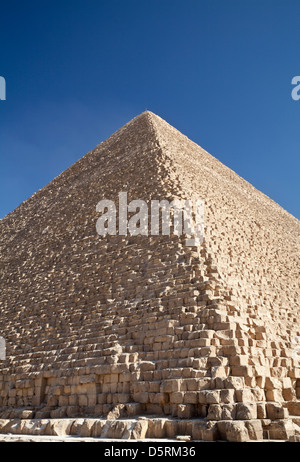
<point x="150" y="428"/>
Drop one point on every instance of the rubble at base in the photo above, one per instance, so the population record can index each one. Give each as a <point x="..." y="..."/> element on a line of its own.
<point x="156" y="428"/>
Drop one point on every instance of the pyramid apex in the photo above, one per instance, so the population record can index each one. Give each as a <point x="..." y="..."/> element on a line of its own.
<point x="147" y="114"/>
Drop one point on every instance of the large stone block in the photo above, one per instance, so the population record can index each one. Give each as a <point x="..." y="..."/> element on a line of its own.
<point x="276" y="411"/>
<point x="235" y="431"/>
<point x="246" y="411"/>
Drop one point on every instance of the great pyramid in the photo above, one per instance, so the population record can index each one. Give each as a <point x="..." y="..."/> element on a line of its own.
<point x="144" y="336"/>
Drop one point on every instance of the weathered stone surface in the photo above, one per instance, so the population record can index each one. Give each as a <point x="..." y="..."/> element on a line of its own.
<point x="293" y="407"/>
<point x="233" y="431"/>
<point x="61" y="427"/>
<point x="255" y="429"/>
<point x="156" y="428"/>
<point x="246" y="411"/>
<point x="139" y="430"/>
<point x="281" y="430"/>
<point x="275" y="411"/>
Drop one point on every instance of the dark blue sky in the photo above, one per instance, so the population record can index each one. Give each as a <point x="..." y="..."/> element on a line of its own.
<point x="218" y="70"/>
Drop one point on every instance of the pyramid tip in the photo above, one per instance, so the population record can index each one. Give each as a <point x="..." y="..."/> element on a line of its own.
<point x="148" y="113"/>
<point x="145" y="115"/>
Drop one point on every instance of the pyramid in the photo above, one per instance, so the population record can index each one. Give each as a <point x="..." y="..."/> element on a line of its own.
<point x="136" y="336"/>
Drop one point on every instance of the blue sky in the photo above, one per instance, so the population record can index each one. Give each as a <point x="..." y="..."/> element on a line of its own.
<point x="218" y="70"/>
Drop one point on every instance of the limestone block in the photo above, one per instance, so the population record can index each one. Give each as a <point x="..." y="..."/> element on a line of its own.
<point x="281" y="430"/>
<point x="289" y="394"/>
<point x="158" y="398"/>
<point x="171" y="428"/>
<point x="156" y="428"/>
<point x="261" y="410"/>
<point x="87" y="379"/>
<point x="228" y="412"/>
<point x="274" y="395"/>
<point x="246" y="411"/>
<point x="36" y="427"/>
<point x="198" y="427"/>
<point x="185" y="411"/>
<point x="278" y="371"/>
<point x="199" y="363"/>
<point x="214" y="412"/>
<point x="57" y="391"/>
<point x="177" y="397"/>
<point x="260" y="371"/>
<point x="139" y="430"/>
<point x="190" y="397"/>
<point x="58" y="413"/>
<point x="142" y="397"/>
<point x="294" y="408"/>
<point x="102" y="398"/>
<point x="133" y="409"/>
<point x="82" y="400"/>
<point x="201" y="410"/>
<point x="212" y="396"/>
<point x="171" y="385"/>
<point x="12" y="426"/>
<point x="147" y="366"/>
<point x="121" y="398"/>
<point x="72" y="411"/>
<point x="154" y="387"/>
<point x="92" y="399"/>
<point x="125" y="377"/>
<point x="244" y="396"/>
<point x="258" y="394"/>
<point x="52" y="401"/>
<point x="111" y="378"/>
<point x="211" y="432"/>
<point x="115" y="429"/>
<point x="154" y="409"/>
<point x="118" y="411"/>
<point x="275" y="411"/>
<point x="147" y="375"/>
<point x="272" y="383"/>
<point x="26" y="414"/>
<point x="242" y="371"/>
<point x="76" y="426"/>
<point x="239" y="360"/>
<point x="73" y="400"/>
<point x="255" y="429"/>
<point x="60" y="427"/>
<point x="220" y="371"/>
<point x="294" y="373"/>
<point x="107" y="408"/>
<point x="97" y="428"/>
<point x="202" y="397"/>
<point x="85" y="429"/>
<point x="235" y="431"/>
<point x="63" y="401"/>
<point x="227" y="396"/>
<point x="236" y="383"/>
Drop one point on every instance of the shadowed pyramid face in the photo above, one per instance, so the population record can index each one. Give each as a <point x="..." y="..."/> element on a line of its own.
<point x="144" y="324"/>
